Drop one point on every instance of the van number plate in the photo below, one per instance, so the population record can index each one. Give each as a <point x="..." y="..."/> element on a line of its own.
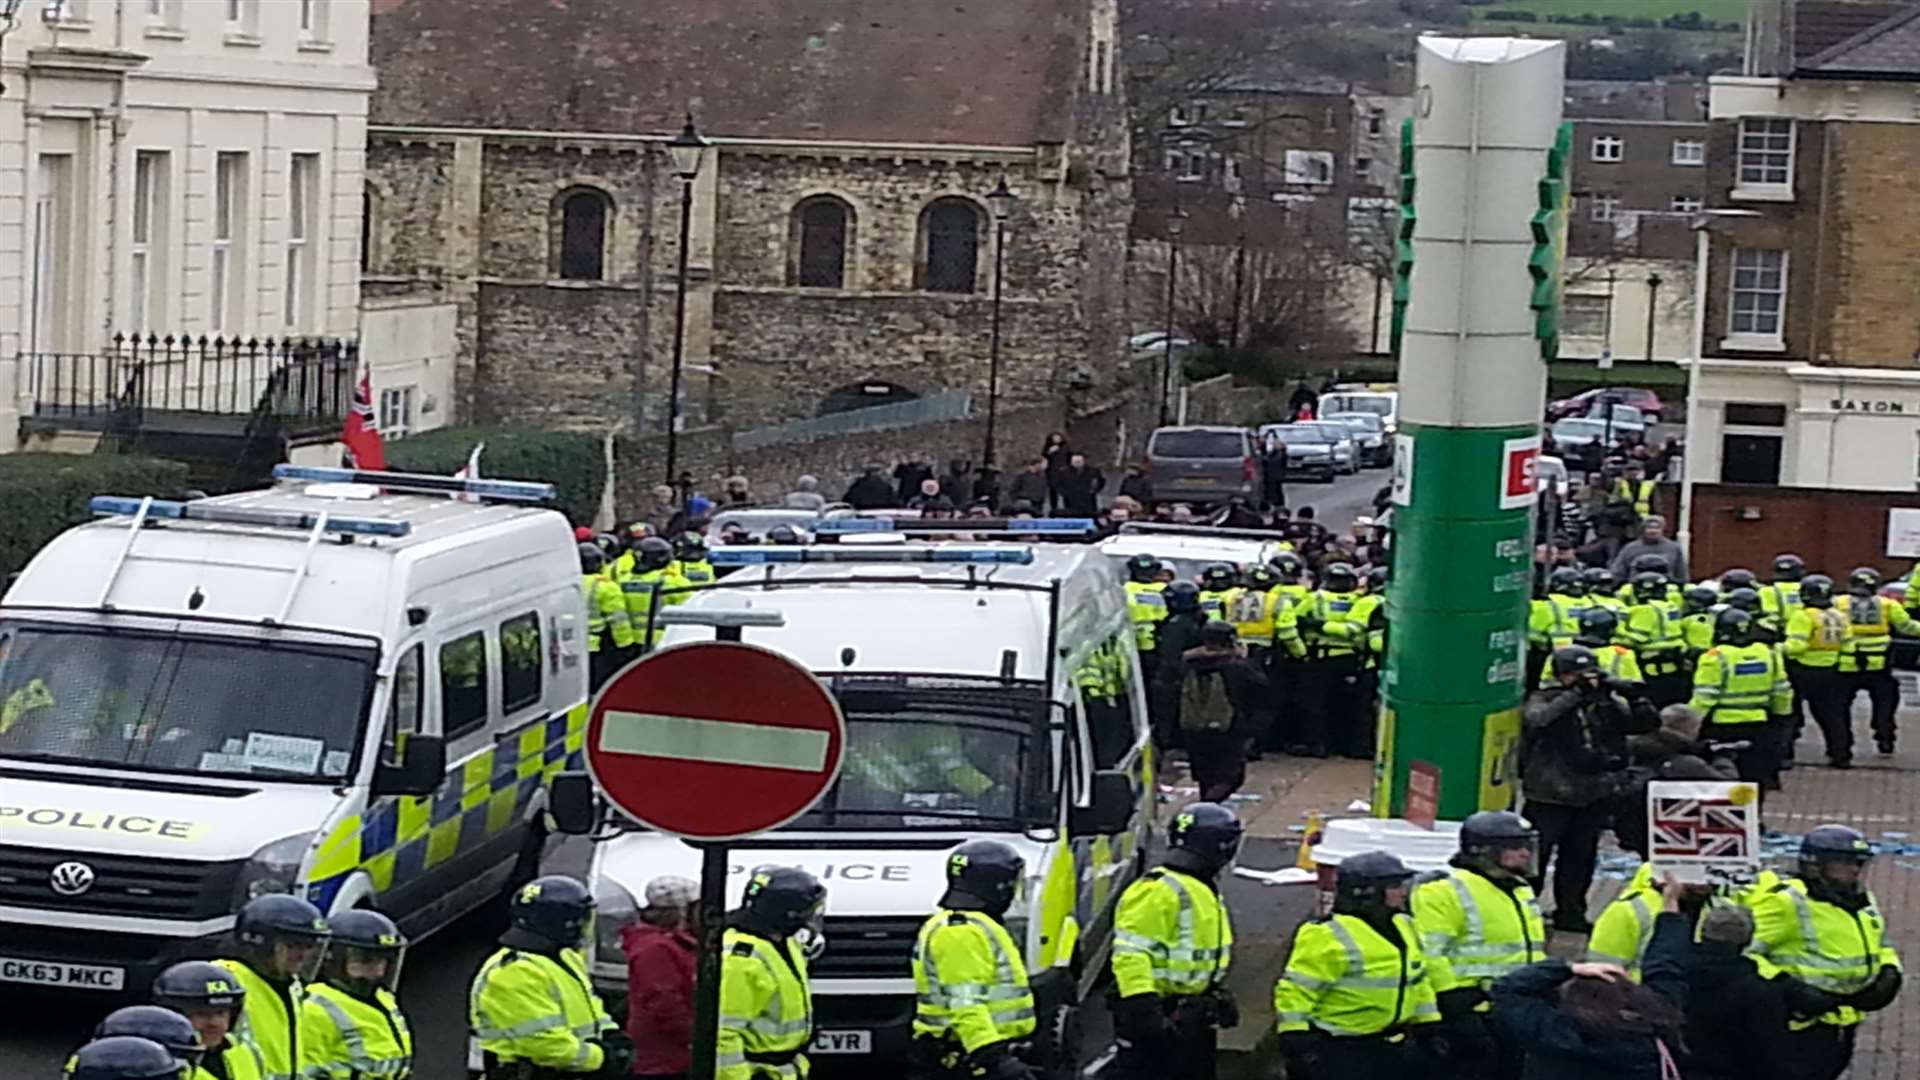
<point x="843" y="1042"/>
<point x="55" y="973"/>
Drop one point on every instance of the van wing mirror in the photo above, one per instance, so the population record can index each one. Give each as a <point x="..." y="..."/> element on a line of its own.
<point x="570" y="802"/>
<point x="420" y="771"/>
<point x="1109" y="810"/>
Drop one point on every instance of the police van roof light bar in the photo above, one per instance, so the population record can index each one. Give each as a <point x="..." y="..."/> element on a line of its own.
<point x="422" y="483"/>
<point x="766" y="556"/>
<point x="975" y="526"/>
<point x="1145" y="528"/>
<point x="122" y="506"/>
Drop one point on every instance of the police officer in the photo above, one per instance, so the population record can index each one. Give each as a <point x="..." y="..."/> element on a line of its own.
<point x="351" y="1025"/>
<point x="1634" y="487"/>
<point x="1357" y="981"/>
<point x="1172" y="945"/>
<point x="1659" y="641"/>
<point x="1738" y="578"/>
<point x="1599" y="630"/>
<point x="1873" y="619"/>
<point x="1633" y="592"/>
<point x="1553" y="620"/>
<point x="171" y="1030"/>
<point x="690" y="559"/>
<point x="1696" y="619"/>
<point x="1601" y="588"/>
<point x="1740" y="687"/>
<point x="1480" y="919"/>
<point x="766" y="999"/>
<point x="1216" y="583"/>
<point x="1817" y="634"/>
<point x="281" y="942"/>
<point x="1285" y="659"/>
<point x="975" y="1008"/>
<point x="1625" y="926"/>
<point x="123" y="1057"/>
<point x="1330" y="705"/>
<point x="532" y="1006"/>
<point x="645" y="586"/>
<point x="1260" y="617"/>
<point x="1370" y="611"/>
<point x="211" y="999"/>
<point x="609" y="626"/>
<point x="1146" y="600"/>
<point x="1780" y="598"/>
<point x="1824" y="928"/>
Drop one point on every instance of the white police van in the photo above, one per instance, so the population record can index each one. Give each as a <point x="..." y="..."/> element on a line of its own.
<point x="351" y="686"/>
<point x="991" y="690"/>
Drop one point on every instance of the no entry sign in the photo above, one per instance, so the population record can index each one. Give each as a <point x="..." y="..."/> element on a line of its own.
<point x="715" y="741"/>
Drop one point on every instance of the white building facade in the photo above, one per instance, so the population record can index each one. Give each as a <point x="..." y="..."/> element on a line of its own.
<point x="180" y="167"/>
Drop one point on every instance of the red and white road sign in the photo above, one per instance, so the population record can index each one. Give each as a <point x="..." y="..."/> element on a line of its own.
<point x="714" y="740"/>
<point x="1518" y="485"/>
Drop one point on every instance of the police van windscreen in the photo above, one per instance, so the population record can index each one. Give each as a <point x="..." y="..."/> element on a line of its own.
<point x="924" y="757"/>
<point x="190" y="705"/>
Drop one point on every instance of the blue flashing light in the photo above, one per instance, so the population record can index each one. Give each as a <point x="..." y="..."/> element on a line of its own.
<point x="766" y="556"/>
<point x="421" y="483"/>
<point x="836" y="526"/>
<point x="1052" y="525"/>
<point x="974" y="526"/>
<point x="166" y="509"/>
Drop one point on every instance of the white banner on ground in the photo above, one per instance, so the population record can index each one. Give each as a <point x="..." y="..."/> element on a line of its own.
<point x="1704" y="832"/>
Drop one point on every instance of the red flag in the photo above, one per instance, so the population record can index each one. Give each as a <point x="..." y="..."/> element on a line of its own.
<point x="361" y="433"/>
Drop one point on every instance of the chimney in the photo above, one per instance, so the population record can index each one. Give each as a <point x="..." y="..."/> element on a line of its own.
<point x="1769" y="29"/>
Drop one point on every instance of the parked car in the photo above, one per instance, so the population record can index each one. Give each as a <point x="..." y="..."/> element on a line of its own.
<point x="1314" y="450"/>
<point x="1578" y="431"/>
<point x="1201" y="465"/>
<point x="1384" y="404"/>
<point x="1627" y="420"/>
<point x="1369" y="434"/>
<point x="1154" y="342"/>
<point x="1583" y="402"/>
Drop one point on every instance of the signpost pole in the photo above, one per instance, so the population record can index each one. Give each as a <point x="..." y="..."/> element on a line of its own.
<point x="706" y="983"/>
<point x="1481" y="296"/>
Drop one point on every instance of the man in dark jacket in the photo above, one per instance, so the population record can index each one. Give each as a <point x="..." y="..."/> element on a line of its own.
<point x="1573" y="759"/>
<point x="1134" y="485"/>
<point x="1173" y="636"/>
<point x="871" y="491"/>
<point x="1218" y="667"/>
<point x="1736" y="1017"/>
<point x="1030" y="484"/>
<point x="1078" y="487"/>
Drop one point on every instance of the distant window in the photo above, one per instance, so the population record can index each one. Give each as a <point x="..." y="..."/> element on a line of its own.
<point x="1311" y="167"/>
<point x="821" y="258"/>
<point x="396" y="412"/>
<point x="1685" y="204"/>
<point x="1742" y="414"/>
<point x="521" y="662"/>
<point x="583" y="236"/>
<point x="1766" y="152"/>
<point x="1603" y="208"/>
<point x="1749" y="459"/>
<point x="1179" y="117"/>
<point x="1585" y="316"/>
<point x="1609" y="148"/>
<point x="463" y="684"/>
<point x="1759" y="293"/>
<point x="1362" y="165"/>
<point x="1689" y="152"/>
<point x="951" y="231"/>
<point x="1376" y="122"/>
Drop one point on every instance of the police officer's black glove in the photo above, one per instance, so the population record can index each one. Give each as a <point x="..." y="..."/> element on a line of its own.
<point x="1879" y="993"/>
<point x="1460" y="1001"/>
<point x="1138" y="1020"/>
<point x="1225" y="1012"/>
<point x="1301" y="1051"/>
<point x="1804" y="1002"/>
<point x="996" y="1061"/>
<point x="619" y="1053"/>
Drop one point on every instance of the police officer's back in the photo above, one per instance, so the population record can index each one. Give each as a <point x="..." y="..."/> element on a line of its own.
<point x="609" y="625"/>
<point x="1172" y="945"/>
<point x="975" y="1008"/>
<point x="690" y="559"/>
<point x="1740" y="686"/>
<point x="211" y="999"/>
<point x="351" y="1025"/>
<point x="123" y="1057"/>
<point x="281" y="940"/>
<point x="646" y="588"/>
<point x="532" y="1006"/>
<point x="1357" y="982"/>
<point x="170" y="1030"/>
<point x="1146" y="601"/>
<point x="766" y="996"/>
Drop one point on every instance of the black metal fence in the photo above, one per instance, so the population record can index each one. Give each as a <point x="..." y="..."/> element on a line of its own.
<point x="299" y="380"/>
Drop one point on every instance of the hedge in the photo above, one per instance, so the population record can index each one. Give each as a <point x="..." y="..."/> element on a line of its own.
<point x="46" y="494"/>
<point x="570" y="460"/>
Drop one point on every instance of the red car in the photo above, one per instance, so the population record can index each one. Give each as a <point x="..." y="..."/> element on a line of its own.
<point x="1582" y="403"/>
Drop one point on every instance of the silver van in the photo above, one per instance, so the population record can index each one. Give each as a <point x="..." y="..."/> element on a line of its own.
<point x="1201" y="464"/>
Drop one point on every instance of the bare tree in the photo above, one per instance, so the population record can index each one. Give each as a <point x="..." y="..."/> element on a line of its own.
<point x="1269" y="310"/>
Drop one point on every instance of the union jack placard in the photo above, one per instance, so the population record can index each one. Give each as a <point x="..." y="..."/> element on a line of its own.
<point x="1704" y="832"/>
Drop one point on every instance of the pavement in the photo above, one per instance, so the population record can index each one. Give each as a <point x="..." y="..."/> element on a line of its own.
<point x="1335" y="505"/>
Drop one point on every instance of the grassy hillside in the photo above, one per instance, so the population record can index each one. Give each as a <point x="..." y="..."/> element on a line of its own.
<point x="1724" y="11"/>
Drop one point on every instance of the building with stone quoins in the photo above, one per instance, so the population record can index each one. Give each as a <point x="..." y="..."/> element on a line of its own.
<point x="1810" y="370"/>
<point x="842" y="246"/>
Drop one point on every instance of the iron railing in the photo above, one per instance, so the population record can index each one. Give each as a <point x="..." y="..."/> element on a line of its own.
<point x="946" y="405"/>
<point x="295" y="379"/>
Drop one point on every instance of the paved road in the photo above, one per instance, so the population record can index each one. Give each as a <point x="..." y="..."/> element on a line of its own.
<point x="1335" y="505"/>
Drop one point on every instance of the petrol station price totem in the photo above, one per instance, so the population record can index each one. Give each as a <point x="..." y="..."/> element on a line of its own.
<point x="1482" y="245"/>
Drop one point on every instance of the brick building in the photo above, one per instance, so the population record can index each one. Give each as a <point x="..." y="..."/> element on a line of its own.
<point x="842" y="249"/>
<point x="1810" y="369"/>
<point x="1640" y="155"/>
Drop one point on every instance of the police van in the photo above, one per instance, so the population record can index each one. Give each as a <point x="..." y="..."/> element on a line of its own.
<point x="350" y="686"/>
<point x="991" y="690"/>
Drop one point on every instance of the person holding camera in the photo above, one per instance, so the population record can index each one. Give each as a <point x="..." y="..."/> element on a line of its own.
<point x="1573" y="759"/>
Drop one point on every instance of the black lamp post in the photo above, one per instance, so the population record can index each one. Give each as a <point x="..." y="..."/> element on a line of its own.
<point x="1654" y="281"/>
<point x="1238" y="210"/>
<point x="1000" y="200"/>
<point x="1176" y="225"/>
<point x="687" y="149"/>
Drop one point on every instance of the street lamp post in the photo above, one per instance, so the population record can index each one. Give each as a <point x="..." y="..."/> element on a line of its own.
<point x="1654" y="281"/>
<point x="687" y="149"/>
<point x="1238" y="210"/>
<point x="1176" y="225"/>
<point x="1000" y="200"/>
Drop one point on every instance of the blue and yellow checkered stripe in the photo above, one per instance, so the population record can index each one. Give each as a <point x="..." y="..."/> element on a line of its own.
<point x="399" y="838"/>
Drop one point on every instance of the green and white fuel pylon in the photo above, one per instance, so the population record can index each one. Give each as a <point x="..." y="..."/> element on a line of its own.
<point x="1484" y="200"/>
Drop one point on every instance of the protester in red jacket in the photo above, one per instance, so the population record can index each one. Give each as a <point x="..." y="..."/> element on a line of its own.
<point x="661" y="948"/>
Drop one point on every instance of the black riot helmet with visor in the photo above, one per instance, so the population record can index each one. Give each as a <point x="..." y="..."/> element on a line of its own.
<point x="1143" y="569"/>
<point x="1203" y="838"/>
<point x="171" y="1030"/>
<point x="365" y="955"/>
<point x="1289" y="566"/>
<point x="1816" y="591"/>
<point x="1499" y="843"/>
<point x="1789" y="567"/>
<point x="281" y="937"/>
<point x="1566" y="581"/>
<point x="1218" y="577"/>
<point x="196" y="986"/>
<point x="1597" y="626"/>
<point x="983" y="875"/>
<point x="1737" y="578"/>
<point x="554" y="909"/>
<point x="1340" y="578"/>
<point x="123" y="1057"/>
<point x="787" y="902"/>
<point x="1649" y="586"/>
<point x="1372" y="884"/>
<point x="1833" y="863"/>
